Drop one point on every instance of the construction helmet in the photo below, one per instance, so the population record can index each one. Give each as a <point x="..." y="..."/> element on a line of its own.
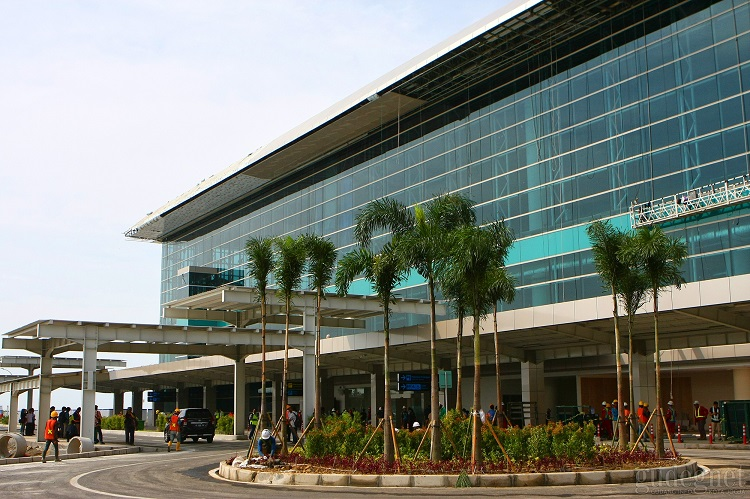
<point x="176" y="410"/>
<point x="265" y="434"/>
<point x="53" y="414"/>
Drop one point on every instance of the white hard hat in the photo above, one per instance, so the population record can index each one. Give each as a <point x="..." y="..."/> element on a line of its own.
<point x="604" y="403"/>
<point x="416" y="424"/>
<point x="670" y="403"/>
<point x="265" y="434"/>
<point x="696" y="403"/>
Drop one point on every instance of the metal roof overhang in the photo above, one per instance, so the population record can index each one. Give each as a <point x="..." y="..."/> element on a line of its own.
<point x="512" y="35"/>
<point x="240" y="306"/>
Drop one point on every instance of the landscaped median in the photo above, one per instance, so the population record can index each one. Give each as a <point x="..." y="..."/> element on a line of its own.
<point x="345" y="452"/>
<point x="676" y="472"/>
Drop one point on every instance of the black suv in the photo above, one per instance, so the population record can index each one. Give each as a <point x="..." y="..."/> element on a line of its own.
<point x="195" y="423"/>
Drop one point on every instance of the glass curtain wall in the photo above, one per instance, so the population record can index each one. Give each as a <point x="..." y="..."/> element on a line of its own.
<point x="657" y="114"/>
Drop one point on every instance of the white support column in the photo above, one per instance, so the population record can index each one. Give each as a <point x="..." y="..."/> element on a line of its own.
<point x="209" y="396"/>
<point x="377" y="393"/>
<point x="45" y="395"/>
<point x="532" y="390"/>
<point x="741" y="377"/>
<point x="308" y="384"/>
<point x="13" y="416"/>
<point x="307" y="410"/>
<point x="88" y="388"/>
<point x="240" y="397"/>
<point x="644" y="379"/>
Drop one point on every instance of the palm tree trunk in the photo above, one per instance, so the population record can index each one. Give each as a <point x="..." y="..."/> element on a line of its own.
<point x="285" y="376"/>
<point x="476" y="434"/>
<point x="435" y="439"/>
<point x="618" y="358"/>
<point x="633" y="434"/>
<point x="388" y="449"/>
<point x="459" y="349"/>
<point x="262" y="419"/>
<point x="657" y="427"/>
<point x="497" y="366"/>
<point x="317" y="360"/>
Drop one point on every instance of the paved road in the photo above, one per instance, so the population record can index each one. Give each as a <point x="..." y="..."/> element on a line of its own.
<point x="186" y="475"/>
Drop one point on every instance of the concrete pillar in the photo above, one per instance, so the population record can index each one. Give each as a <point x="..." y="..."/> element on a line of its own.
<point x="138" y="403"/>
<point x="240" y="397"/>
<point x="308" y="384"/>
<point x="644" y="380"/>
<point x="45" y="395"/>
<point x="119" y="402"/>
<point x="30" y="393"/>
<point x="532" y="390"/>
<point x="183" y="397"/>
<point x="377" y="393"/>
<point x="277" y="382"/>
<point x="13" y="414"/>
<point x="88" y="388"/>
<point x="209" y="396"/>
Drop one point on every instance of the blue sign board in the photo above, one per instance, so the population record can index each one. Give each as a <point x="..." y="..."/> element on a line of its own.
<point x="413" y="382"/>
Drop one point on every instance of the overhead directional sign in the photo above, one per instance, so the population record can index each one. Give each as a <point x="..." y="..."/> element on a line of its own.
<point x="413" y="382"/>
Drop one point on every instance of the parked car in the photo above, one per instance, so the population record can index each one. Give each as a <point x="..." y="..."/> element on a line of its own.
<point x="195" y="423"/>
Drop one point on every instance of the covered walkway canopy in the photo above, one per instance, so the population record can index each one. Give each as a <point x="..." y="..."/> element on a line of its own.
<point x="48" y="338"/>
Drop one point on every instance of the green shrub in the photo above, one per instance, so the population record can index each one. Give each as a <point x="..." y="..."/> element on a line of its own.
<point x="225" y="425"/>
<point x="161" y="420"/>
<point x="4" y="419"/>
<point x="116" y="422"/>
<point x="539" y="442"/>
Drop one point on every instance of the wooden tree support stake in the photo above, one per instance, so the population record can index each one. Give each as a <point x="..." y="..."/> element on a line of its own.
<point x="299" y="440"/>
<point x="645" y="429"/>
<point x="502" y="448"/>
<point x="368" y="443"/>
<point x="426" y="432"/>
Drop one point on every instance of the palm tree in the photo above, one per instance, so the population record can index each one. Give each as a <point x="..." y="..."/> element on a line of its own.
<point x="288" y="268"/>
<point x="385" y="271"/>
<point x="606" y="242"/>
<point x="454" y="293"/>
<point x="321" y="256"/>
<point x="260" y="264"/>
<point x="661" y="258"/>
<point x="476" y="265"/>
<point x="632" y="295"/>
<point x="419" y="238"/>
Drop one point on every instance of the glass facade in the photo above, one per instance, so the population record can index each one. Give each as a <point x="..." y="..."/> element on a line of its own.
<point x="648" y="106"/>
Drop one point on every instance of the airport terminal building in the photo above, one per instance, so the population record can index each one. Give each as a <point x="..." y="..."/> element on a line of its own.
<point x="550" y="115"/>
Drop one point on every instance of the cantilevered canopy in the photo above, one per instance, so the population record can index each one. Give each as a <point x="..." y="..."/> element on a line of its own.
<point x="50" y="337"/>
<point x="240" y="306"/>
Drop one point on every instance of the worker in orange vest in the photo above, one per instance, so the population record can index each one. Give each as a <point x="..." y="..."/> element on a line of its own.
<point x="50" y="436"/>
<point x="174" y="431"/>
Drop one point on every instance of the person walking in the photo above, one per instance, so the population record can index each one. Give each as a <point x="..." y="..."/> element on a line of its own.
<point x="715" y="412"/>
<point x="50" y="437"/>
<point x="671" y="417"/>
<point x="252" y="423"/>
<point x="700" y="414"/>
<point x="30" y="422"/>
<point x="131" y="422"/>
<point x="98" y="435"/>
<point x="291" y="424"/>
<point x="77" y="422"/>
<point x="174" y="431"/>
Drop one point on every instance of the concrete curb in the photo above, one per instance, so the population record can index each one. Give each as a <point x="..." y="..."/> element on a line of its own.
<point x="686" y="470"/>
<point x="51" y="455"/>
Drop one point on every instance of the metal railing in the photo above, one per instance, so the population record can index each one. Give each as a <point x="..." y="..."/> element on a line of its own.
<point x="692" y="202"/>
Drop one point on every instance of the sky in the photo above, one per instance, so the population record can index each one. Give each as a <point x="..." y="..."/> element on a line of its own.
<point x="110" y="109"/>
